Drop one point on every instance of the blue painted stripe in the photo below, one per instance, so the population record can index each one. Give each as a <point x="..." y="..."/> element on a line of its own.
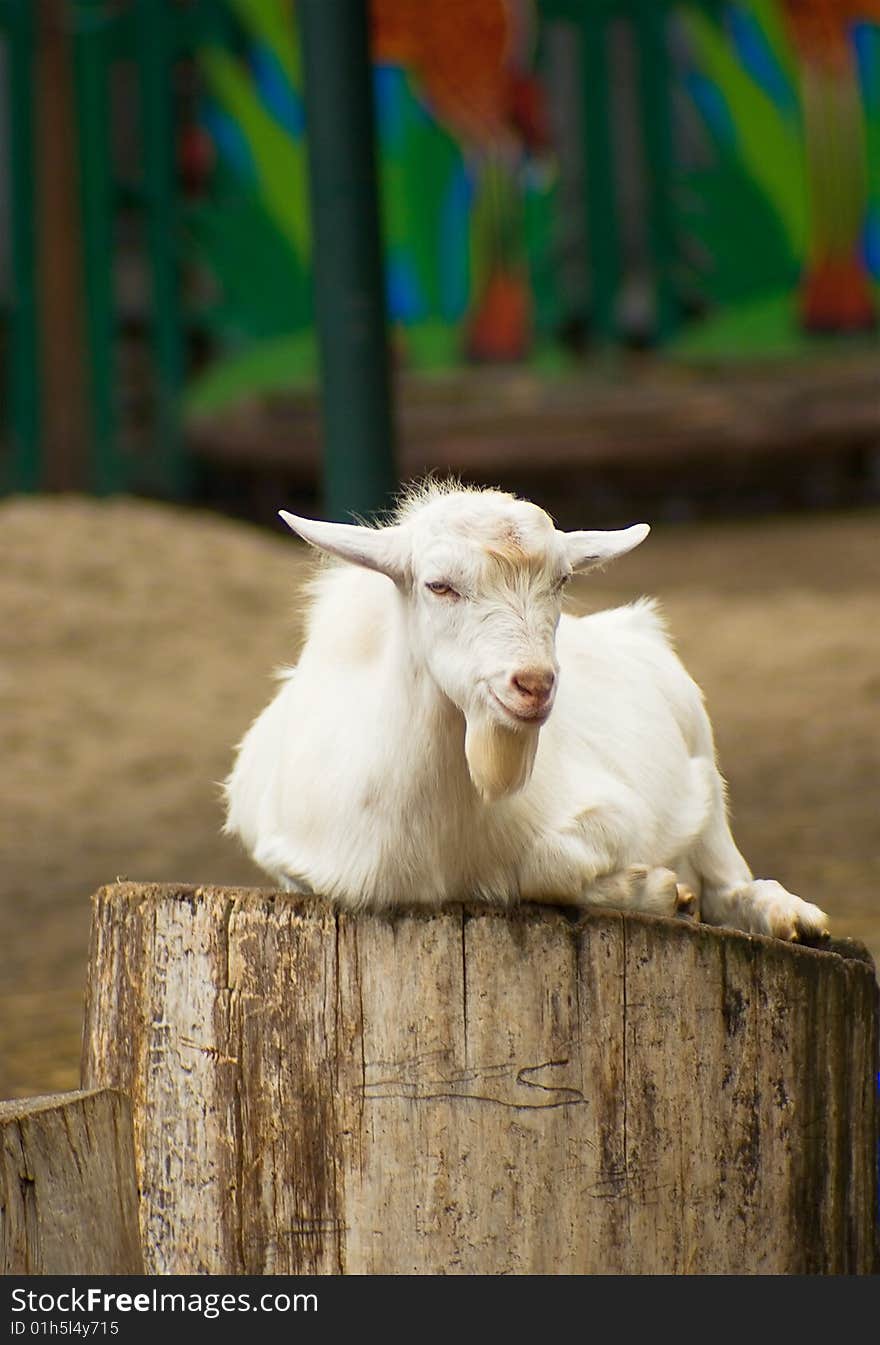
<point x="232" y="146"/>
<point x="276" y="92"/>
<point x="759" y="59"/>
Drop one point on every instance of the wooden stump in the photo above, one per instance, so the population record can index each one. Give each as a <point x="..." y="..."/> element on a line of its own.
<point x="68" y="1194"/>
<point x="479" y="1091"/>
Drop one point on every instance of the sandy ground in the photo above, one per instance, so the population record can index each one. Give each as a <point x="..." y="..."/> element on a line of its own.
<point x="137" y="642"/>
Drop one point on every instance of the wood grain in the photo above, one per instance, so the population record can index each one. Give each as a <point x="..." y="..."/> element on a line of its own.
<point x="68" y="1193"/>
<point x="480" y="1091"/>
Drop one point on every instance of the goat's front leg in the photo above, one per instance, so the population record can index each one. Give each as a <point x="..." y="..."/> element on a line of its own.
<point x="732" y="896"/>
<point x="567" y="869"/>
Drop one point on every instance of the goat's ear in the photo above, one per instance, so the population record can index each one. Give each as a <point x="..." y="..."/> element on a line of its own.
<point x="589" y="549"/>
<point x="382" y="549"/>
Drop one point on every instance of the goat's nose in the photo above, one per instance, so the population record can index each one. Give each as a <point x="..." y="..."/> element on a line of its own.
<point x="534" y="684"/>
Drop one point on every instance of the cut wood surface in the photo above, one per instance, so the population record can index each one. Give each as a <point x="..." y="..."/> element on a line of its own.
<point x="482" y="1091"/>
<point x="68" y="1192"/>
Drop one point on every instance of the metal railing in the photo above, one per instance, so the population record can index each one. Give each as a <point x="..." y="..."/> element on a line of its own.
<point x="648" y="21"/>
<point x="20" y="463"/>
<point x="152" y="35"/>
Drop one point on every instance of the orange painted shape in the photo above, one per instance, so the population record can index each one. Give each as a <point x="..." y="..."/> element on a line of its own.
<point x="458" y="49"/>
<point x="501" y="328"/>
<point x="836" y="297"/>
<point x="820" y="29"/>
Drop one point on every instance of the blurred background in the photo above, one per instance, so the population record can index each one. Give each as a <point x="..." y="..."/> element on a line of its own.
<point x="621" y="256"/>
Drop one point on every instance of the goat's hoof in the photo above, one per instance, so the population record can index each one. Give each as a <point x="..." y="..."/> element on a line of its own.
<point x="787" y="916"/>
<point x="654" y="890"/>
<point x="687" y="903"/>
<point x="804" y="924"/>
<point x="809" y="925"/>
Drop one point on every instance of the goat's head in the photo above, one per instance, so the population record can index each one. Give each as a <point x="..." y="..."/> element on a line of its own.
<point x="482" y="576"/>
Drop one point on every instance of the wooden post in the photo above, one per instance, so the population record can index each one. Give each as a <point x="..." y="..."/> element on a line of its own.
<point x="68" y="1194"/>
<point x="480" y="1091"/>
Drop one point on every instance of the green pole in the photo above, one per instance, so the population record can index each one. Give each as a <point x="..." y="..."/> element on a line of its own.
<point x="359" y="469"/>
<point x="655" y="89"/>
<point x="168" y="471"/>
<point x="600" y="192"/>
<point x="25" y="467"/>
<point x="91" y="21"/>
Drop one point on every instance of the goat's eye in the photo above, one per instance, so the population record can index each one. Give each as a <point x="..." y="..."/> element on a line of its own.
<point x="441" y="588"/>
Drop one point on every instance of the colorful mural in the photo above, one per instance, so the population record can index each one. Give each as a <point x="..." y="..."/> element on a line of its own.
<point x="836" y="293"/>
<point x="466" y="183"/>
<point x="778" y="225"/>
<point x="453" y="82"/>
<point x="789" y="213"/>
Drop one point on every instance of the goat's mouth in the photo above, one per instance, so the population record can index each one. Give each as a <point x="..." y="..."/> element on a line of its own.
<point x="534" y="718"/>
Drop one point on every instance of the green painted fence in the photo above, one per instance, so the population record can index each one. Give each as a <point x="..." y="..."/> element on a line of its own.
<point x="751" y="216"/>
<point x="648" y="19"/>
<point x="151" y="36"/>
<point x="20" y="395"/>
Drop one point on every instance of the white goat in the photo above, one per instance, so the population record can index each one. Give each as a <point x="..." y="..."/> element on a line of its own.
<point x="411" y="756"/>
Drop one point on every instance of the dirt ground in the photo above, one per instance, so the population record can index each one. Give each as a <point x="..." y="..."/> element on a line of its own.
<point x="137" y="642"/>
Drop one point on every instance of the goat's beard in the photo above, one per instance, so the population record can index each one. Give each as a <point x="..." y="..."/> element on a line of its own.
<point x="500" y="759"/>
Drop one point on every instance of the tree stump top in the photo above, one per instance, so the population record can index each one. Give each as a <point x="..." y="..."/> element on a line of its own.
<point x="310" y="907"/>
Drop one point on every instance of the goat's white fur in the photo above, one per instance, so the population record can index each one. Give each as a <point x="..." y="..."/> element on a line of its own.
<point x="402" y="761"/>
